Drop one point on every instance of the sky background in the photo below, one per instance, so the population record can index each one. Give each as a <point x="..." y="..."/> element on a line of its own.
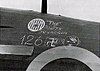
<point x="80" y="9"/>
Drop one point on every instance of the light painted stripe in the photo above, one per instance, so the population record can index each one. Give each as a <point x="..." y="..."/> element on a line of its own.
<point x="16" y="49"/>
<point x="83" y="55"/>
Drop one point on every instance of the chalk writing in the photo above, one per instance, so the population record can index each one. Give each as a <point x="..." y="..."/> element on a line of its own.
<point x="38" y="42"/>
<point x="51" y="25"/>
<point x="54" y="32"/>
<point x="28" y="40"/>
<point x="31" y="40"/>
<point x="52" y="42"/>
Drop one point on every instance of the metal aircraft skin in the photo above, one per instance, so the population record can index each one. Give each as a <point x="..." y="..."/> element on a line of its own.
<point x="14" y="30"/>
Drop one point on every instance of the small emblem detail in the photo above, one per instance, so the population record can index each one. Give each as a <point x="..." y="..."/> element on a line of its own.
<point x="36" y="24"/>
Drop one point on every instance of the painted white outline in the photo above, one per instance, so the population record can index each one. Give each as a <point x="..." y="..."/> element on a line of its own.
<point x="36" y="21"/>
<point x="83" y="55"/>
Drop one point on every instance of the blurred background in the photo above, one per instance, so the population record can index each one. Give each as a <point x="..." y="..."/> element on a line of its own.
<point x="80" y="9"/>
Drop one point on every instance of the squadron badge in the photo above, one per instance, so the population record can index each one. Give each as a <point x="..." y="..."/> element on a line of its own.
<point x="36" y="25"/>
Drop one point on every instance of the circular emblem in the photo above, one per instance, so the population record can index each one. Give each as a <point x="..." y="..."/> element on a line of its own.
<point x="36" y="24"/>
<point x="73" y="52"/>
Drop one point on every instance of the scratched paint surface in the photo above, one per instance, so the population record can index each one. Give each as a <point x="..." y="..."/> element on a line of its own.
<point x="56" y="32"/>
<point x="55" y="27"/>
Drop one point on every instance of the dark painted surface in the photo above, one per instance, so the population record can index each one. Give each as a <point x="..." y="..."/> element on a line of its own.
<point x="66" y="65"/>
<point x="13" y="27"/>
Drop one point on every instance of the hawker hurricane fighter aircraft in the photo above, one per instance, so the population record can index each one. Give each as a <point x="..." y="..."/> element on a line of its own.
<point x="38" y="41"/>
